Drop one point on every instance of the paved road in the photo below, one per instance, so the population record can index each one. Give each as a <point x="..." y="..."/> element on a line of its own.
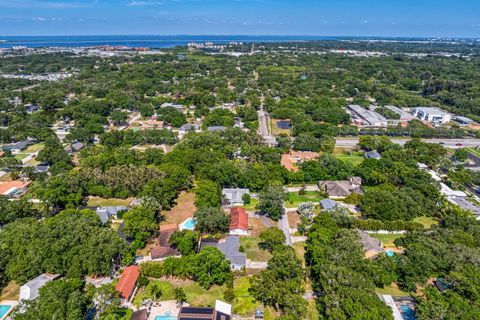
<point x="450" y="143"/>
<point x="283" y="225"/>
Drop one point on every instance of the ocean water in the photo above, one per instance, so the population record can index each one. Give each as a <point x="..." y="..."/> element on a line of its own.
<point x="140" y="41"/>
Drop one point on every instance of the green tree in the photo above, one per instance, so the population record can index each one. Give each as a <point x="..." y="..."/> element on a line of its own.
<point x="185" y="241"/>
<point x="271" y="202"/>
<point x="211" y="220"/>
<point x="211" y="267"/>
<point x="207" y="194"/>
<point x="271" y="238"/>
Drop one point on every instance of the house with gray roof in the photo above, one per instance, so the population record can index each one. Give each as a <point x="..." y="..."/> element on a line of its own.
<point x="230" y="247"/>
<point x="216" y="128"/>
<point x="233" y="196"/>
<point x="19" y="146"/>
<point x="104" y="213"/>
<point x="30" y="290"/>
<point x="341" y="189"/>
<point x="371" y="246"/>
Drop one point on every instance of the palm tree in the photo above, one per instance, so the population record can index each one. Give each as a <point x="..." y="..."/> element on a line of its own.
<point x="155" y="291"/>
<point x="180" y="296"/>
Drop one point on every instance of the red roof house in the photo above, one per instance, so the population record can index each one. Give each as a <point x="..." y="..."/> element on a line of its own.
<point x="127" y="282"/>
<point x="238" y="221"/>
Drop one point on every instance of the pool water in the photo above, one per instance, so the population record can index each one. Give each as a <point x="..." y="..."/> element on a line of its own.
<point x="166" y="317"/>
<point x="390" y="253"/>
<point x="189" y="224"/>
<point x="284" y="124"/>
<point x="4" y="310"/>
<point x="407" y="312"/>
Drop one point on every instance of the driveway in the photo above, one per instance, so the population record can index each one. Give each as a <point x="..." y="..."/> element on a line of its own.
<point x="283" y="225"/>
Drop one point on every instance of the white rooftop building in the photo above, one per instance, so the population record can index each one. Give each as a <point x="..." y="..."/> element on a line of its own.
<point x="366" y="118"/>
<point x="433" y="115"/>
<point x="30" y="290"/>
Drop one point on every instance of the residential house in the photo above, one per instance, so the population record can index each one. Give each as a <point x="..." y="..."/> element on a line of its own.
<point x="75" y="147"/>
<point x="19" y="146"/>
<point x="230" y="247"/>
<point x="188" y="127"/>
<point x="128" y="281"/>
<point x="141" y="314"/>
<point x="31" y="108"/>
<point x="238" y="221"/>
<point x="105" y="213"/>
<point x="341" y="189"/>
<point x="222" y="311"/>
<point x="30" y="290"/>
<point x="13" y="189"/>
<point x="328" y="204"/>
<point x="41" y="169"/>
<point x="151" y="123"/>
<point x="163" y="249"/>
<point x="371" y="246"/>
<point x="233" y="196"/>
<point x="373" y="155"/>
<point x="294" y="159"/>
<point x="179" y="107"/>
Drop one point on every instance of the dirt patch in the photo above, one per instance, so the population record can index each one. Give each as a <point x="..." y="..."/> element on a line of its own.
<point x="293" y="219"/>
<point x="10" y="292"/>
<point x="183" y="210"/>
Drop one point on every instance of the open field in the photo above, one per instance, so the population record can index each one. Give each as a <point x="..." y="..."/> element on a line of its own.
<point x="34" y="148"/>
<point x="183" y="210"/>
<point x="355" y="158"/>
<point x="427" y="222"/>
<point x="294" y="199"/>
<point x="392" y="290"/>
<point x="101" y="202"/>
<point x="387" y="239"/>
<point x="250" y="247"/>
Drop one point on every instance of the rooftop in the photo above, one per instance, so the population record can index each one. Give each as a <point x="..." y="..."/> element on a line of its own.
<point x="238" y="219"/>
<point x="230" y="247"/>
<point x="126" y="284"/>
<point x="234" y="195"/>
<point x="7" y="188"/>
<point x="431" y="111"/>
<point x="371" y="117"/>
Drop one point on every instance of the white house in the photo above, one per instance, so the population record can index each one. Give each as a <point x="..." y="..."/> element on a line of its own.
<point x="30" y="290"/>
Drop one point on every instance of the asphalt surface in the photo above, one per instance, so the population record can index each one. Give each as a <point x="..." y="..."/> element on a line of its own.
<point x="283" y="225"/>
<point x="449" y="143"/>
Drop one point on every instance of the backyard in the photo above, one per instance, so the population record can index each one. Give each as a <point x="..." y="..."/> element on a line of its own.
<point x="386" y="239"/>
<point x="112" y="202"/>
<point x="183" y="210"/>
<point x="355" y="158"/>
<point x="249" y="245"/>
<point x="294" y="198"/>
<point x="427" y="222"/>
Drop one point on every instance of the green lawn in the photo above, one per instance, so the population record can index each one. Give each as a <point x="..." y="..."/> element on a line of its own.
<point x="294" y="199"/>
<point x="427" y="222"/>
<point x="250" y="247"/>
<point x="391" y="290"/>
<point x="101" y="202"/>
<point x="251" y="206"/>
<point x="34" y="148"/>
<point x="387" y="239"/>
<point x="244" y="304"/>
<point x="21" y="156"/>
<point x="356" y="158"/>
<point x="196" y="295"/>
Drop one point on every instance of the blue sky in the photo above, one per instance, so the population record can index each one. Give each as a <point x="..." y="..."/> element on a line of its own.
<point x="436" y="18"/>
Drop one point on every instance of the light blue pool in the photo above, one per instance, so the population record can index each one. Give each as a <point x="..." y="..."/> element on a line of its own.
<point x="166" y="316"/>
<point x="407" y="312"/>
<point x="390" y="253"/>
<point x="188" y="224"/>
<point x="4" y="310"/>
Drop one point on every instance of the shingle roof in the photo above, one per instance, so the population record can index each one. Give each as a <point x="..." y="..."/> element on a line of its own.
<point x="328" y="204"/>
<point x="8" y="187"/>
<point x="372" y="155"/>
<point x="126" y="284"/>
<point x="139" y="315"/>
<point x="234" y="195"/>
<point x="238" y="219"/>
<point x="230" y="248"/>
<point x="163" y="252"/>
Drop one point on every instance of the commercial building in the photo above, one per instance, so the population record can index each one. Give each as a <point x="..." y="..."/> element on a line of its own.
<point x="463" y="121"/>
<point x="404" y="116"/>
<point x="366" y="118"/>
<point x="433" y="115"/>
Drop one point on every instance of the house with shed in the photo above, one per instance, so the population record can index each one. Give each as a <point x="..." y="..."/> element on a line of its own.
<point x="371" y="246"/>
<point x="233" y="196"/>
<point x="128" y="282"/>
<point x="163" y="250"/>
<point x="341" y="189"/>
<point x="30" y="290"/>
<point x="19" y="146"/>
<point x="238" y="221"/>
<point x="222" y="311"/>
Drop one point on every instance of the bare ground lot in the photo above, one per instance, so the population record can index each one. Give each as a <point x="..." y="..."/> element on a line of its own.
<point x="183" y="210"/>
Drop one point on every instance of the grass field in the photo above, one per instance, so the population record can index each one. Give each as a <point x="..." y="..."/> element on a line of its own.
<point x="196" y="295"/>
<point x="34" y="148"/>
<point x="21" y="156"/>
<point x="391" y="290"/>
<point x="276" y="130"/>
<point x="355" y="158"/>
<point x="101" y="202"/>
<point x="387" y="239"/>
<point x="250" y="247"/>
<point x="427" y="222"/>
<point x="183" y="210"/>
<point x="251" y="206"/>
<point x="294" y="199"/>
<point x="10" y="292"/>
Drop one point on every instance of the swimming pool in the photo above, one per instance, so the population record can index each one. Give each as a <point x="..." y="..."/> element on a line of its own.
<point x="166" y="316"/>
<point x="188" y="224"/>
<point x="390" y="253"/>
<point x="407" y="312"/>
<point x="4" y="309"/>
